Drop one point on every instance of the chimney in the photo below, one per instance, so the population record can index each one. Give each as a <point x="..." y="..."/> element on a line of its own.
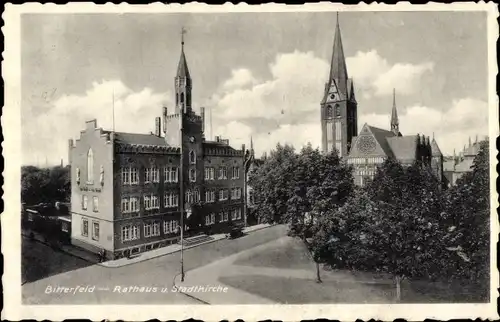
<point x="217" y="139"/>
<point x="158" y="126"/>
<point x="165" y="113"/>
<point x="202" y="120"/>
<point x="70" y="150"/>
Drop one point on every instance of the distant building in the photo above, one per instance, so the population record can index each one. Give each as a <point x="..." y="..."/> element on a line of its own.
<point x="371" y="146"/>
<point x="126" y="187"/>
<point x="252" y="165"/>
<point x="456" y="166"/>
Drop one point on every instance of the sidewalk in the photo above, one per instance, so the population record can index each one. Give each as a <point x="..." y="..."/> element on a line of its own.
<point x="171" y="249"/>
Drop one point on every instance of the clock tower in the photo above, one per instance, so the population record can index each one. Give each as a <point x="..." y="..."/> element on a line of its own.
<point x="338" y="106"/>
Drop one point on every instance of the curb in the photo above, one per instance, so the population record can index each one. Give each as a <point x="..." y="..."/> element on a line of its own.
<point x="175" y="251"/>
<point x="186" y="294"/>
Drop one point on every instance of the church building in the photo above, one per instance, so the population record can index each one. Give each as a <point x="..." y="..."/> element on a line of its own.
<point x="371" y="146"/>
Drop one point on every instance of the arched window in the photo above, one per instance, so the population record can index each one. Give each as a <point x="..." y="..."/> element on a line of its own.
<point x="192" y="157"/>
<point x="90" y="166"/>
<point x="329" y="111"/>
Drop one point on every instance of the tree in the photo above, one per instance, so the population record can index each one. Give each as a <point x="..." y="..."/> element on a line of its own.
<point x="271" y="184"/>
<point x="467" y="237"/>
<point x="45" y="184"/>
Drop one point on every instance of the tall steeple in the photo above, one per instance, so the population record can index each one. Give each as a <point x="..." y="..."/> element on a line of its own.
<point x="338" y="68"/>
<point x="252" y="152"/>
<point x="394" y="115"/>
<point x="183" y="85"/>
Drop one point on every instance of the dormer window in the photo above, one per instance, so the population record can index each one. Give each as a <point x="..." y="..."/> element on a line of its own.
<point x="192" y="157"/>
<point x="90" y="167"/>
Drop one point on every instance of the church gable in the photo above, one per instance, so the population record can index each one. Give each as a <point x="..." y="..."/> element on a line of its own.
<point x="369" y="144"/>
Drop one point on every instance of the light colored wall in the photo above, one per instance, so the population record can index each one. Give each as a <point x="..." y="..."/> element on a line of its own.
<point x="92" y="137"/>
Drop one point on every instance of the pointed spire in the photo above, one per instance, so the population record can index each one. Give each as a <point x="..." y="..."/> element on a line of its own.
<point x="470" y="142"/>
<point x="476" y="138"/>
<point x="394" y="115"/>
<point x="338" y="68"/>
<point x="352" y="97"/>
<point x="182" y="68"/>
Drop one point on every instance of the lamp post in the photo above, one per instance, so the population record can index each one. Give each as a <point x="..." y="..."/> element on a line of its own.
<point x="181" y="197"/>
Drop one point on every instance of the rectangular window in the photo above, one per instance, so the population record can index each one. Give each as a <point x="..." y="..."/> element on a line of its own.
<point x="155" y="172"/>
<point x="223" y="194"/>
<point x="147" y="230"/>
<point x="134" y="176"/>
<point x="212" y="173"/>
<point x="95" y="203"/>
<point x="85" y="227"/>
<point x="147" y="175"/>
<point x="95" y="230"/>
<point x="155" y="202"/>
<point x="222" y="173"/>
<point x="170" y="226"/>
<point x="126" y="175"/>
<point x="236" y="173"/>
<point x="209" y="195"/>
<point x="209" y="173"/>
<point x="130" y="232"/>
<point x="125" y="205"/>
<point x="212" y="218"/>
<point x="134" y="204"/>
<point x="207" y="220"/>
<point x="236" y="193"/>
<point x="166" y="174"/>
<point x="147" y="202"/>
<point x="156" y="229"/>
<point x="84" y="202"/>
<point x="226" y="216"/>
<point x="173" y="174"/>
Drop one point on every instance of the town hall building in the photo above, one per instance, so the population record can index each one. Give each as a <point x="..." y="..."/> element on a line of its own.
<point x="127" y="188"/>
<point x="369" y="147"/>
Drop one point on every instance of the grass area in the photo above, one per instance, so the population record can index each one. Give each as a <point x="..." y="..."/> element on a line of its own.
<point x="290" y="253"/>
<point x="302" y="291"/>
<point x="40" y="261"/>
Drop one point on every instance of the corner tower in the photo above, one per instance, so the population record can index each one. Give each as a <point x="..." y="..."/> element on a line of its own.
<point x="338" y="106"/>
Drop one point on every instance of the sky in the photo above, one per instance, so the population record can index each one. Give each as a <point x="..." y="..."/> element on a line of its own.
<point x="258" y="75"/>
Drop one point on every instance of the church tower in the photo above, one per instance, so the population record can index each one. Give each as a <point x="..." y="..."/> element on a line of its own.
<point x="338" y="106"/>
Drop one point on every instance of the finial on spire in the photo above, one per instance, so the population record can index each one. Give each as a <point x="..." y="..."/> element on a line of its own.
<point x="183" y="31"/>
<point x="432" y="136"/>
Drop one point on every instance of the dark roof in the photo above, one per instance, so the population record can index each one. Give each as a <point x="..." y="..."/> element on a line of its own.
<point x="338" y="68"/>
<point x="381" y="136"/>
<point x="404" y="148"/>
<point x="182" y="68"/>
<point x="139" y="139"/>
<point x="214" y="144"/>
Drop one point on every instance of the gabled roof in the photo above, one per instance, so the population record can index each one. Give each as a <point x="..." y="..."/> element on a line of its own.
<point x="404" y="148"/>
<point x="139" y="139"/>
<point x="435" y="148"/>
<point x="464" y="166"/>
<point x="381" y="137"/>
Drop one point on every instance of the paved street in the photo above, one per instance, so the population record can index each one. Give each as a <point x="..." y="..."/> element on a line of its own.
<point x="157" y="272"/>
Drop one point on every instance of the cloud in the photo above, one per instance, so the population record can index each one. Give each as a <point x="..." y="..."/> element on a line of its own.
<point x="134" y="112"/>
<point x="452" y="128"/>
<point x="239" y="78"/>
<point x="375" y="76"/>
<point x="296" y="86"/>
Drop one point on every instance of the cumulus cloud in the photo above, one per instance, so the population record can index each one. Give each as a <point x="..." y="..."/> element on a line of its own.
<point x="240" y="78"/>
<point x="134" y="112"/>
<point x="375" y="76"/>
<point x="452" y="127"/>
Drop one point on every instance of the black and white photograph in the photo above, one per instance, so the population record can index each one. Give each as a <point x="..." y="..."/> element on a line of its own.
<point x="277" y="158"/>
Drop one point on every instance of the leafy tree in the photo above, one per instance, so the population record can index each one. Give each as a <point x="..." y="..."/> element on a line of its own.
<point x="271" y="184"/>
<point x="45" y="184"/>
<point x="468" y="222"/>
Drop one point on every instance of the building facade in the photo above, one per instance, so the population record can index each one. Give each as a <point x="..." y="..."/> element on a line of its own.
<point x="371" y="146"/>
<point x="458" y="165"/>
<point x="127" y="188"/>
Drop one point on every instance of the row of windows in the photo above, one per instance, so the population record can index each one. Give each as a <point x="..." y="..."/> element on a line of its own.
<point x="374" y="160"/>
<point x="223" y="217"/>
<point x="171" y="199"/>
<point x="95" y="203"/>
<point x="150" y="229"/>
<point x="130" y="175"/>
<point x="85" y="229"/>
